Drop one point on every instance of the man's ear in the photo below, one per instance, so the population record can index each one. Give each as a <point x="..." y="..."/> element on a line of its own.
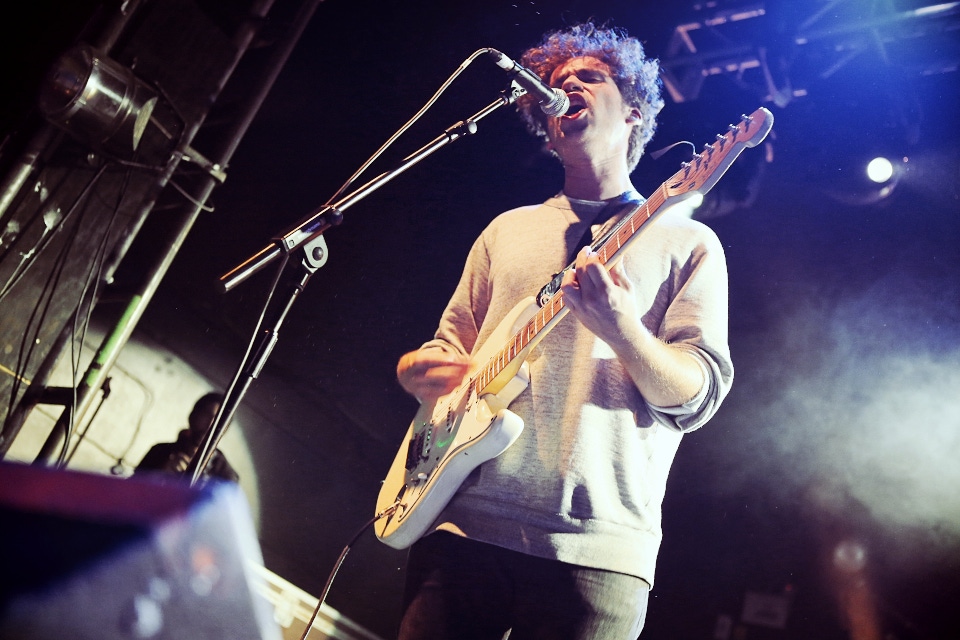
<point x="633" y="116"/>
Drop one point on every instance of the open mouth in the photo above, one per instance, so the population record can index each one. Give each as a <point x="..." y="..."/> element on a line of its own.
<point x="577" y="106"/>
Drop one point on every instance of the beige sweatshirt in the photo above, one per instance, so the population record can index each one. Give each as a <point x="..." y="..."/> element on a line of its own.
<point x="585" y="480"/>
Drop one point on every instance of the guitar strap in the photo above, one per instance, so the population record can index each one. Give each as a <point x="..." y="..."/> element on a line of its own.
<point x="627" y="201"/>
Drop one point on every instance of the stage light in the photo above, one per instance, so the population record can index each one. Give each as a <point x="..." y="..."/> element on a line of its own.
<point x="864" y="178"/>
<point x="880" y="169"/>
<point x="97" y="100"/>
<point x="850" y="556"/>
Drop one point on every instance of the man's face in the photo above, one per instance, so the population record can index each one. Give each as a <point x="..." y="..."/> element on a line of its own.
<point x="201" y="419"/>
<point x="598" y="121"/>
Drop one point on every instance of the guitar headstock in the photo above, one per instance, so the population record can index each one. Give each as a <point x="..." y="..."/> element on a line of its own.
<point x="705" y="169"/>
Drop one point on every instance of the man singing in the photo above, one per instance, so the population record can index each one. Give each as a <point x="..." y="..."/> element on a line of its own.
<point x="558" y="536"/>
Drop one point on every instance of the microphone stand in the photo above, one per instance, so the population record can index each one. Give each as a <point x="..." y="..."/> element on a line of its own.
<point x="308" y="235"/>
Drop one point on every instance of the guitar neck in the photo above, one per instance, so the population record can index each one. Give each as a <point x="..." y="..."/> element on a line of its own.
<point x="695" y="177"/>
<point x="506" y="361"/>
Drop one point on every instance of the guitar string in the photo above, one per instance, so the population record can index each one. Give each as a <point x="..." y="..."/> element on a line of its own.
<point x="506" y="355"/>
<point x="620" y="234"/>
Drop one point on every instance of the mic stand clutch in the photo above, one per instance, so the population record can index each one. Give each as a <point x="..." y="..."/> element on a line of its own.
<point x="308" y="234"/>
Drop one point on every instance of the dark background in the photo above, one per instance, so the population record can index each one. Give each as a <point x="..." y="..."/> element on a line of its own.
<point x="842" y="425"/>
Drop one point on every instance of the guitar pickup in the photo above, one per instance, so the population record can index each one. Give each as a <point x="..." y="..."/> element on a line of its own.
<point x="416" y="451"/>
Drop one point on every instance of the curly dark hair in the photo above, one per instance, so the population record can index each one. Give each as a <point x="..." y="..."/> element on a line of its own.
<point x="637" y="76"/>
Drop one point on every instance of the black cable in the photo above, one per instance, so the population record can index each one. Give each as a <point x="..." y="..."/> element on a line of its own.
<point x="207" y="450"/>
<point x="94" y="277"/>
<point x="443" y="87"/>
<point x="24" y="354"/>
<point x="336" y="566"/>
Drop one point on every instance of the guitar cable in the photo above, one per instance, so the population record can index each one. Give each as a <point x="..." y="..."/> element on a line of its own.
<point x="389" y="511"/>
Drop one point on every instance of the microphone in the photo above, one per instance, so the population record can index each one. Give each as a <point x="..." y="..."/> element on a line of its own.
<point x="553" y="102"/>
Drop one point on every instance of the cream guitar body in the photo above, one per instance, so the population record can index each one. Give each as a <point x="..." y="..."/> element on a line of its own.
<point x="450" y="438"/>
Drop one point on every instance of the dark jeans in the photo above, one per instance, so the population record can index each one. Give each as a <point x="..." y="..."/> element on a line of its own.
<point x="458" y="589"/>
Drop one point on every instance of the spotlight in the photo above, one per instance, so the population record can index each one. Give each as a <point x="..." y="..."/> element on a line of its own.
<point x="880" y="170"/>
<point x="850" y="556"/>
<point x="865" y="178"/>
<point x="97" y="100"/>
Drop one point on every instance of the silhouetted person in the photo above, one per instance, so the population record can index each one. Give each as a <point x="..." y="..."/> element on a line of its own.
<point x="174" y="457"/>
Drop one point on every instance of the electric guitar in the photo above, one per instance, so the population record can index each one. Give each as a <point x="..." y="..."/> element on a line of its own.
<point x="472" y="424"/>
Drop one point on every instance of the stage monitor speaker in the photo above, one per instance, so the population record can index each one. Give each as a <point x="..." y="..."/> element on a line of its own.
<point x="86" y="556"/>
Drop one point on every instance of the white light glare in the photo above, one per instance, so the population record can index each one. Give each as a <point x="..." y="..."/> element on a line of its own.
<point x="687" y="205"/>
<point x="880" y="170"/>
<point x="694" y="201"/>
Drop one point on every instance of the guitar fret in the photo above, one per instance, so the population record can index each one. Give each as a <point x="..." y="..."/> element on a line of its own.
<point x="622" y="234"/>
<point x="686" y="179"/>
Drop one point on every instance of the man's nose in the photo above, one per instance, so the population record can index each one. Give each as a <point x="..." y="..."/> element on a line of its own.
<point x="571" y="83"/>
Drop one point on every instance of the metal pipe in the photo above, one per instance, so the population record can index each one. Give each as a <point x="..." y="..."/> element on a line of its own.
<point x="114" y="341"/>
